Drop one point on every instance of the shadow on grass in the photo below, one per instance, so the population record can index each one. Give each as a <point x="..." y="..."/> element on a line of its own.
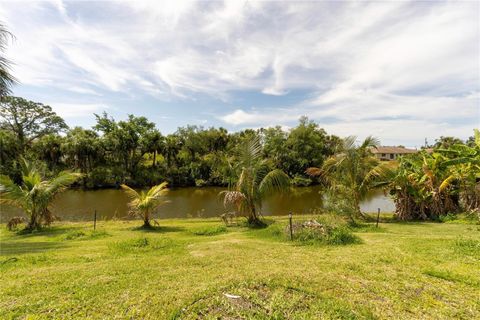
<point x="17" y="248"/>
<point x="52" y="231"/>
<point x="158" y="229"/>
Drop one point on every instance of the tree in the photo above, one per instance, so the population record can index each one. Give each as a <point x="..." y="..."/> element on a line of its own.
<point x="253" y="182"/>
<point x="154" y="143"/>
<point x="7" y="80"/>
<point x="35" y="194"/>
<point x="446" y="142"/>
<point x="49" y="149"/>
<point x="82" y="150"/>
<point x="422" y="187"/>
<point x="8" y="147"/>
<point x="352" y="173"/>
<point x="463" y="162"/>
<point x="307" y="145"/>
<point x="144" y="203"/>
<point x="28" y="120"/>
<point x="127" y="141"/>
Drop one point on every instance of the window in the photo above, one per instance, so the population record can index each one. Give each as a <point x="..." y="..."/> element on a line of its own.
<point x="384" y="155"/>
<point x="392" y="156"/>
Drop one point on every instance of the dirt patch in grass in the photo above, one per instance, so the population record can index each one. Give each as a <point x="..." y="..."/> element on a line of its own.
<point x="262" y="301"/>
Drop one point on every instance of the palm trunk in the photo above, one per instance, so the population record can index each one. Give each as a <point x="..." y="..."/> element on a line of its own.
<point x="33" y="223"/>
<point x="146" y="220"/>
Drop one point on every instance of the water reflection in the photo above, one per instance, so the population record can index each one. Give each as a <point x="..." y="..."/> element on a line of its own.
<point x="77" y="205"/>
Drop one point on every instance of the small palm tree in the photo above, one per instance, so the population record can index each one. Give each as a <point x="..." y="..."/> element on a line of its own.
<point x="144" y="203"/>
<point x="253" y="182"/>
<point x="352" y="172"/>
<point x="35" y="194"/>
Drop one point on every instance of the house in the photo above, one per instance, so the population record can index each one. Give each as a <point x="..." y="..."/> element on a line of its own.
<point x="391" y="153"/>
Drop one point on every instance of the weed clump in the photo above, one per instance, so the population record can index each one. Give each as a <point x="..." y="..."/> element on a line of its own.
<point x="323" y="230"/>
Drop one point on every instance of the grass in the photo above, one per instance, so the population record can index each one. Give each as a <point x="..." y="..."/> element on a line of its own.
<point x="401" y="270"/>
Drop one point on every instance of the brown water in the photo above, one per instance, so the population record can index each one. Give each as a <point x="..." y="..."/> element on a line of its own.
<point x="78" y="205"/>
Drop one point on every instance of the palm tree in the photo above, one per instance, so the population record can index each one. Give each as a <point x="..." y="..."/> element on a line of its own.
<point x="254" y="182"/>
<point x="35" y="194"/>
<point x="144" y="203"/>
<point x="352" y="172"/>
<point x="464" y="164"/>
<point x="6" y="78"/>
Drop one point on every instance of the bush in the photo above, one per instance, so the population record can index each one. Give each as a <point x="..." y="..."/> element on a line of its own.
<point x="300" y="181"/>
<point x="326" y="229"/>
<point x="200" y="183"/>
<point x="448" y="217"/>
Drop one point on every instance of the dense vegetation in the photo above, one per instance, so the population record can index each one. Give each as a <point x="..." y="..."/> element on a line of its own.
<point x="134" y="152"/>
<point x="253" y="163"/>
<point x="432" y="185"/>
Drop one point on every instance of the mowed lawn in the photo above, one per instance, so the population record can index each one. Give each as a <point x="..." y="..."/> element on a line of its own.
<point x="196" y="269"/>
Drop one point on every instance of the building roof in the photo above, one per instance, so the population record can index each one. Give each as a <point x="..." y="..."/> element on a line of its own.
<point x="395" y="150"/>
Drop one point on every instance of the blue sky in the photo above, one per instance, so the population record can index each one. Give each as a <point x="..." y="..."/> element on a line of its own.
<point x="399" y="70"/>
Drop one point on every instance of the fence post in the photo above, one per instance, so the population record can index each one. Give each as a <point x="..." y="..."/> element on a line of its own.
<point x="291" y="227"/>
<point x="95" y="220"/>
<point x="378" y="216"/>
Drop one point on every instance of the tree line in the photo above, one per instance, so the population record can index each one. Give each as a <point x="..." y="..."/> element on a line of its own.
<point x="135" y="152"/>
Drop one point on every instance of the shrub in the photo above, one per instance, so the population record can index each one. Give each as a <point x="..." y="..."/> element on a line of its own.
<point x="300" y="181"/>
<point x="448" y="217"/>
<point x="326" y="229"/>
<point x="200" y="183"/>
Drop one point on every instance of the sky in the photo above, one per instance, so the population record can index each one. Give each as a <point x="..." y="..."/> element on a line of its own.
<point x="398" y="70"/>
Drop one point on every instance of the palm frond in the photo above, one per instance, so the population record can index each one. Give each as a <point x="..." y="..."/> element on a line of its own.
<point x="446" y="183"/>
<point x="232" y="198"/>
<point x="370" y="142"/>
<point x="63" y="180"/>
<point x="314" y="171"/>
<point x="132" y="194"/>
<point x="275" y="181"/>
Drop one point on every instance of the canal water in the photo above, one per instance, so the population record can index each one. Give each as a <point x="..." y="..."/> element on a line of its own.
<point x="79" y="205"/>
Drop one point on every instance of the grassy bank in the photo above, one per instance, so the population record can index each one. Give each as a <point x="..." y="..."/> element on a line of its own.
<point x="184" y="269"/>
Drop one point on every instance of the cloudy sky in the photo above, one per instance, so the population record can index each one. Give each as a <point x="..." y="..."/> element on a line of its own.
<point x="399" y="70"/>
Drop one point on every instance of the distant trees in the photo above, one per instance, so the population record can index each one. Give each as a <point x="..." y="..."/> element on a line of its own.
<point x="134" y="151"/>
<point x="35" y="193"/>
<point x="28" y="120"/>
<point x="446" y="142"/>
<point x="304" y="146"/>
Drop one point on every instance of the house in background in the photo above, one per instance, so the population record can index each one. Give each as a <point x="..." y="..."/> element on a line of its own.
<point x="391" y="153"/>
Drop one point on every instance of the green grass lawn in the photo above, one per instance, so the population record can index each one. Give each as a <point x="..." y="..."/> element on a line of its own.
<point x="184" y="269"/>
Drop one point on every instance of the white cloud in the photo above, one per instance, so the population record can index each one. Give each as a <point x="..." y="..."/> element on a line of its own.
<point x="412" y="63"/>
<point x="76" y="110"/>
